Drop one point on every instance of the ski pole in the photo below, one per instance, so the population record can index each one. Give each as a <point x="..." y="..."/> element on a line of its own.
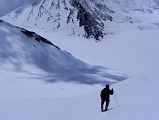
<point x="116" y="99"/>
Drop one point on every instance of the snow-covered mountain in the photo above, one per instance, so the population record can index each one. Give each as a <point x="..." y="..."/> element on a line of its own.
<point x="79" y="17"/>
<point x="83" y="17"/>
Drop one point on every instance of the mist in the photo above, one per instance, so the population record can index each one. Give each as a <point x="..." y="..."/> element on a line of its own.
<point x="9" y="5"/>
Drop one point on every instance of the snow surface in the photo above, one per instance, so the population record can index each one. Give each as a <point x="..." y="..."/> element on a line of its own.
<point x="130" y="48"/>
<point x="31" y="69"/>
<point x="135" y="52"/>
<point x="24" y="54"/>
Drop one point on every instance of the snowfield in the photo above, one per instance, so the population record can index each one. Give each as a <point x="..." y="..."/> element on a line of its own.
<point x="39" y="81"/>
<point x="33" y="70"/>
<point x="135" y="53"/>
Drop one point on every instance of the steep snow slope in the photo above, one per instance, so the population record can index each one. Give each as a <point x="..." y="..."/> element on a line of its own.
<point x="24" y="51"/>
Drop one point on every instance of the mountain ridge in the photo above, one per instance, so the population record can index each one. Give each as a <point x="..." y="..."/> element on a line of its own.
<point x="88" y="18"/>
<point x="79" y="17"/>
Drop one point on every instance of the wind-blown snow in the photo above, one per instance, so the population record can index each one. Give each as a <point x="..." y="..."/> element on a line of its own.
<point x="7" y="6"/>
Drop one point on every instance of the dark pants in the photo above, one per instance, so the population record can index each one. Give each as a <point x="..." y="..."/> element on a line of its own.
<point x="102" y="103"/>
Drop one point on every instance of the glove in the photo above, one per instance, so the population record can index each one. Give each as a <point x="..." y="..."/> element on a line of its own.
<point x="112" y="91"/>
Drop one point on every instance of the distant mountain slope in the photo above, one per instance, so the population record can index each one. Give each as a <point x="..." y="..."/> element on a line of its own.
<point x="24" y="51"/>
<point x="125" y="8"/>
<point x="80" y="17"/>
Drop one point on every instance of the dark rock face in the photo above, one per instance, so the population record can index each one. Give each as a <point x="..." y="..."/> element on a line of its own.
<point x="1" y="20"/>
<point x="31" y="34"/>
<point x="91" y="19"/>
<point x="91" y="26"/>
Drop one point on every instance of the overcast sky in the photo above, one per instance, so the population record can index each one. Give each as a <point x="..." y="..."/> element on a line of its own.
<point x="8" y="5"/>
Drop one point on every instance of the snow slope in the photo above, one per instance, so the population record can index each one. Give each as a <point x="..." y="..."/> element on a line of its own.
<point x="136" y="54"/>
<point x="30" y="63"/>
<point x="132" y="49"/>
<point x="24" y="51"/>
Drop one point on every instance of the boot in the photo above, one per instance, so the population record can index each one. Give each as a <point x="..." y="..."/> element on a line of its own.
<point x="102" y="108"/>
<point x="106" y="108"/>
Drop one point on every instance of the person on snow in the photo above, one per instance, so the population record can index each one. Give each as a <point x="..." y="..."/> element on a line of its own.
<point x="105" y="96"/>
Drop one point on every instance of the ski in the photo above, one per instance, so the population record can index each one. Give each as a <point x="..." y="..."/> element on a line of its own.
<point x="107" y="110"/>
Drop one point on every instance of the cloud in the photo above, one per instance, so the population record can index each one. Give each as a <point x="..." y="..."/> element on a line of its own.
<point x="9" y="5"/>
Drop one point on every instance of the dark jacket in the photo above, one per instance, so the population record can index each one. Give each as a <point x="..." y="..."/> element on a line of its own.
<point x="105" y="93"/>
